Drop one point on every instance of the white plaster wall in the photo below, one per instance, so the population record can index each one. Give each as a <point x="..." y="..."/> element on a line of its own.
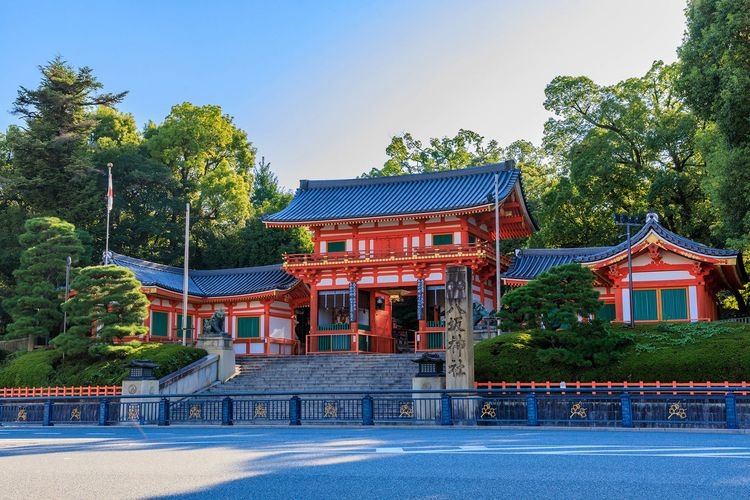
<point x="693" y="303"/>
<point x="660" y="276"/>
<point x="625" y="305"/>
<point x="387" y="279"/>
<point x="280" y="328"/>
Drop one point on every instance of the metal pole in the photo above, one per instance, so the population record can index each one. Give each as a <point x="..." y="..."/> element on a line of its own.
<point x="498" y="284"/>
<point x="630" y="279"/>
<point x="106" y="244"/>
<point x="185" y="276"/>
<point x="68" y="262"/>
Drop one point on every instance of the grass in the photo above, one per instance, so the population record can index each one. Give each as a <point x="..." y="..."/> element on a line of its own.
<point x="664" y="352"/>
<point x="106" y="365"/>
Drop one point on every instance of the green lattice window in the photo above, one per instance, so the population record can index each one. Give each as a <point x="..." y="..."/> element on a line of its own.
<point x="606" y="313"/>
<point x="674" y="304"/>
<point x="442" y="239"/>
<point x="178" y="327"/>
<point x="644" y="305"/>
<point x="248" y="328"/>
<point x="337" y="246"/>
<point x="159" y="324"/>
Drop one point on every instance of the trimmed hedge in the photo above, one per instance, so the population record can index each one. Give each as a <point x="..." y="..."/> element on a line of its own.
<point x="668" y="351"/>
<point x="106" y="365"/>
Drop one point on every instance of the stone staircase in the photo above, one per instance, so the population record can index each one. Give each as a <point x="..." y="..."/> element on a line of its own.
<point x="321" y="372"/>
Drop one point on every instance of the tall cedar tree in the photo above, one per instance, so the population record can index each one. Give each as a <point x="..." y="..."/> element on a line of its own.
<point x="51" y="172"/>
<point x="107" y="301"/>
<point x="40" y="280"/>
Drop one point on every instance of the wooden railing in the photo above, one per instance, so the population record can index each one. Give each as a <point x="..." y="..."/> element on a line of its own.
<point x="84" y="390"/>
<point x="296" y="259"/>
<point x="430" y="340"/>
<point x="350" y="342"/>
<point x="700" y="387"/>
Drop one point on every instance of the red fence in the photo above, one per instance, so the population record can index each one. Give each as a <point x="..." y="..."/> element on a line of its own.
<point x="84" y="390"/>
<point x="700" y="387"/>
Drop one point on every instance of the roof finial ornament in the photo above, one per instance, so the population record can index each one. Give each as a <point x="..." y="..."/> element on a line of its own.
<point x="651" y="216"/>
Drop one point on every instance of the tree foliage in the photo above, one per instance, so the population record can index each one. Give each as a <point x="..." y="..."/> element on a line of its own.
<point x="626" y="147"/>
<point x="50" y="172"/>
<point x="715" y="79"/>
<point x="40" y="280"/>
<point x="557" y="298"/>
<point x="107" y="300"/>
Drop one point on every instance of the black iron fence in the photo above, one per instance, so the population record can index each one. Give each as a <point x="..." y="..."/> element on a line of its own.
<point x="728" y="408"/>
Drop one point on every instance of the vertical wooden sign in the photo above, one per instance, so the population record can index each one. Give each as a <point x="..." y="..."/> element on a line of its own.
<point x="459" y="337"/>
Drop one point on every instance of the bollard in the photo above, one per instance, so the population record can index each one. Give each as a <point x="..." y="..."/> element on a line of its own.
<point x="47" y="416"/>
<point x="627" y="410"/>
<point x="445" y="410"/>
<point x="730" y="403"/>
<point x="295" y="411"/>
<point x="103" y="412"/>
<point x="227" y="411"/>
<point x="163" y="411"/>
<point x="532" y="418"/>
<point x="367" y="411"/>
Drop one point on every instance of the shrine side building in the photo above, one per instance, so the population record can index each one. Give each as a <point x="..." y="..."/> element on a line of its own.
<point x="674" y="278"/>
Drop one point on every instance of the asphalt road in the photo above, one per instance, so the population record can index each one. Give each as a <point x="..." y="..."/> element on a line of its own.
<point x="363" y="463"/>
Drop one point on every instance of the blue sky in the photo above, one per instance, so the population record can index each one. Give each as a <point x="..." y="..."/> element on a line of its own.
<point x="322" y="86"/>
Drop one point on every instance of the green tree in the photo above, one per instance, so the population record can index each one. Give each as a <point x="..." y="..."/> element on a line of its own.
<point x="715" y="79"/>
<point x="255" y="244"/>
<point x="51" y="173"/>
<point x="40" y="279"/>
<point x="211" y="160"/>
<point x="627" y="147"/>
<point x="556" y="298"/>
<point x="146" y="192"/>
<point x="109" y="302"/>
<point x="407" y="155"/>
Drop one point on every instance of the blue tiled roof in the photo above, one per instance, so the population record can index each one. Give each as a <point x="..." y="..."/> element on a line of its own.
<point x="213" y="283"/>
<point x="529" y="263"/>
<point x="652" y="224"/>
<point x="398" y="195"/>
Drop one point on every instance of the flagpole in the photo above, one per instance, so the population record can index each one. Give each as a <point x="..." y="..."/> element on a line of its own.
<point x="185" y="275"/>
<point x="498" y="283"/>
<point x="109" y="209"/>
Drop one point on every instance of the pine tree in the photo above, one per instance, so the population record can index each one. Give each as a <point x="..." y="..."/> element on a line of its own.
<point x="40" y="280"/>
<point x="107" y="304"/>
<point x="50" y="168"/>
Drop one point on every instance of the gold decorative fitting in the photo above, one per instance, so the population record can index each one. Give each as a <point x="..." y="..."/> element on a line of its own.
<point x="330" y="410"/>
<point x="406" y="410"/>
<point x="676" y="410"/>
<point x="260" y="410"/>
<point x="195" y="411"/>
<point x="133" y="412"/>
<point x="22" y="416"/>
<point x="577" y="410"/>
<point x="75" y="414"/>
<point x="488" y="411"/>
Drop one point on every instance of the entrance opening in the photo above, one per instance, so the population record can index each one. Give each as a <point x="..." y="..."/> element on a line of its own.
<point x="405" y="323"/>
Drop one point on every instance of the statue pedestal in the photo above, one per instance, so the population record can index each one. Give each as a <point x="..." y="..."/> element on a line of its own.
<point x="222" y="346"/>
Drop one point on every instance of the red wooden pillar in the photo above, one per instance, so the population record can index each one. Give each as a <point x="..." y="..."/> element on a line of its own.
<point x="267" y="326"/>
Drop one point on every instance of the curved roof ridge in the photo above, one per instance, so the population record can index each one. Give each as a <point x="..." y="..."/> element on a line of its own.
<point x="652" y="224"/>
<point x="210" y="282"/>
<point x="561" y="251"/>
<point x="146" y="263"/>
<point x="506" y="165"/>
